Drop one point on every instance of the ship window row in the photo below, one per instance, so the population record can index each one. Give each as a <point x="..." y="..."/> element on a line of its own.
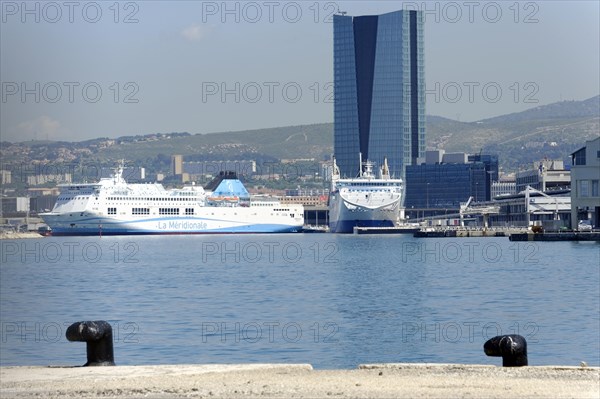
<point x="168" y="211"/>
<point x="263" y="203"/>
<point x="78" y="188"/>
<point x="112" y="211"/>
<point x="161" y="211"/>
<point x="140" y="211"/>
<point x="369" y="190"/>
<point x="150" y="199"/>
<point x="371" y="184"/>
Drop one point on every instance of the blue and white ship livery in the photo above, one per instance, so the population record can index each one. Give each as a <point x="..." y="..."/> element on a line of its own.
<point x="364" y="201"/>
<point x="114" y="207"/>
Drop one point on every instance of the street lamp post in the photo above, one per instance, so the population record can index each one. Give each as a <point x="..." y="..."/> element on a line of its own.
<point x="490" y="182"/>
<point x="427" y="203"/>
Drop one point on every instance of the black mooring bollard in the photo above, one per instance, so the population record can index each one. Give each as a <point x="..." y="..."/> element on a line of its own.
<point x="512" y="348"/>
<point x="99" y="341"/>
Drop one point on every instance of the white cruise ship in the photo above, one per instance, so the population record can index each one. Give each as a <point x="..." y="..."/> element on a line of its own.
<point x="364" y="201"/>
<point x="114" y="207"/>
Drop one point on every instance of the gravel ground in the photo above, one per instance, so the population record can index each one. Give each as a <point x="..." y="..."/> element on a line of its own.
<point x="300" y="381"/>
<point x="8" y="235"/>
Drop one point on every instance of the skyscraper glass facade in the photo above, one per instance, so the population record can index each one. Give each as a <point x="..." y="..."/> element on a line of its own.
<point x="379" y="90"/>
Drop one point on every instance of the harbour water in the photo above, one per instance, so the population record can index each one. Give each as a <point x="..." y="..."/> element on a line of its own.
<point x="334" y="301"/>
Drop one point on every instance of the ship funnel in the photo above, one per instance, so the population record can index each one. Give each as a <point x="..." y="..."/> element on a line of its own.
<point x="335" y="173"/>
<point x="385" y="170"/>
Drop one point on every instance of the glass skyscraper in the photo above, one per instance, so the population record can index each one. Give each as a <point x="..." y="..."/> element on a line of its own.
<point x="379" y="90"/>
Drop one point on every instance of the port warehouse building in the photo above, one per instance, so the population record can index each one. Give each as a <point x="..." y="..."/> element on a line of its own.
<point x="445" y="180"/>
<point x="441" y="182"/>
<point x="585" y="182"/>
<point x="520" y="209"/>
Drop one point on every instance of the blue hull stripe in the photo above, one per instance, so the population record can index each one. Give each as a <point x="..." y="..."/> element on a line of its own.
<point x="266" y="228"/>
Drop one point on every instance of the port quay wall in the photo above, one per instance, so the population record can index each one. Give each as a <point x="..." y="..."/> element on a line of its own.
<point x="300" y="381"/>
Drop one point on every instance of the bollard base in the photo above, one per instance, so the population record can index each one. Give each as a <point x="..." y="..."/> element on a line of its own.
<point x="98" y="364"/>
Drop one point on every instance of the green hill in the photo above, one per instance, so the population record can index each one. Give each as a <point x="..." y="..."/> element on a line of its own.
<point x="553" y="131"/>
<point x="309" y="141"/>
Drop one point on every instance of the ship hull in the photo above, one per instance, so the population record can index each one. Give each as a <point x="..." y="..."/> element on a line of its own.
<point x="343" y="218"/>
<point x="113" y="207"/>
<point x="364" y="201"/>
<point x="64" y="225"/>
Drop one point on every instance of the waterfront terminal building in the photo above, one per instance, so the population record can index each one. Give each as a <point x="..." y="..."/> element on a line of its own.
<point x="442" y="181"/>
<point x="585" y="181"/>
<point x="544" y="175"/>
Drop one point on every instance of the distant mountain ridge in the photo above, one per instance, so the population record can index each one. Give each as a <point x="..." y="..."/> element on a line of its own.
<point x="548" y="131"/>
<point x="558" y="110"/>
<point x="552" y="131"/>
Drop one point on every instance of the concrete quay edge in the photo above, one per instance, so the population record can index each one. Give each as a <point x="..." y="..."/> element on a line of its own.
<point x="384" y="380"/>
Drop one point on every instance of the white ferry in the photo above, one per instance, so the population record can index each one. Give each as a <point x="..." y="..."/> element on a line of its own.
<point x="113" y="207"/>
<point x="364" y="201"/>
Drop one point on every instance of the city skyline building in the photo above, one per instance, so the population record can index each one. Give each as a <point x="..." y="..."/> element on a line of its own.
<point x="445" y="180"/>
<point x="585" y="184"/>
<point x="545" y="175"/>
<point x="379" y="90"/>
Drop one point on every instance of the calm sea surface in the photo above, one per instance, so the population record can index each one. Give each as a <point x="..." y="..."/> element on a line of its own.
<point x="330" y="300"/>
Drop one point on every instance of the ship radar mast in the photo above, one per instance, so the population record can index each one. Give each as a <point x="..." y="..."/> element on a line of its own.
<point x="118" y="172"/>
<point x="360" y="164"/>
<point x="368" y="170"/>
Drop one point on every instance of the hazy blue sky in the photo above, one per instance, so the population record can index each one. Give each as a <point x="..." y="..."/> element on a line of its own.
<point x="80" y="70"/>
